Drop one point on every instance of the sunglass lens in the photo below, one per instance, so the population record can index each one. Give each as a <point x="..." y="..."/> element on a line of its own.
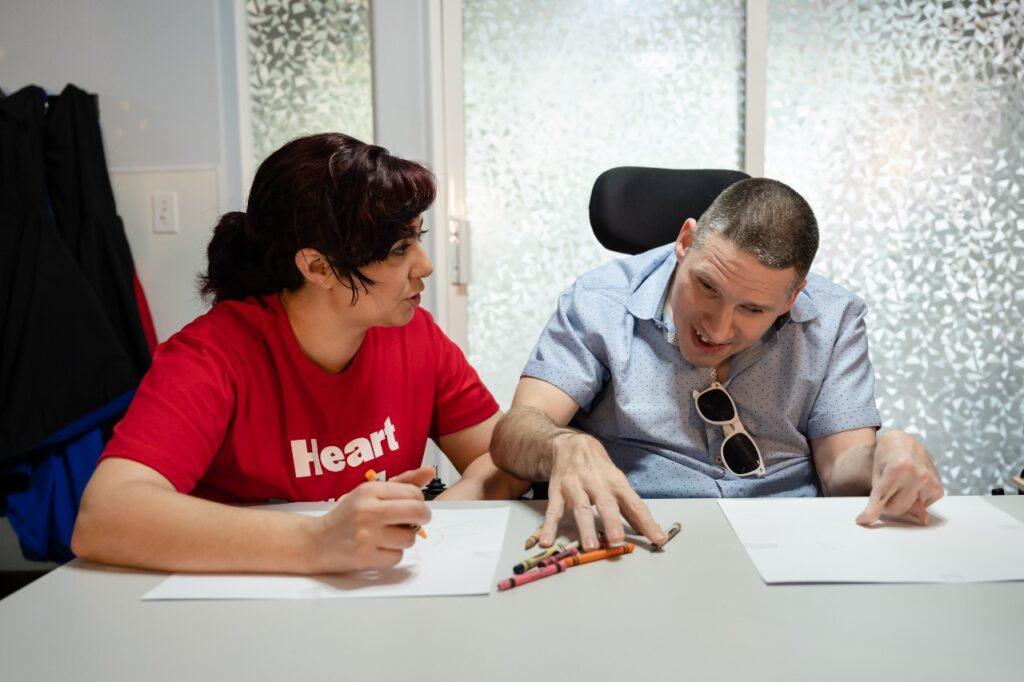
<point x="715" y="405"/>
<point x="740" y="453"/>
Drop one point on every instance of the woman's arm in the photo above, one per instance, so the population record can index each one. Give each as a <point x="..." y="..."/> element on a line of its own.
<point x="481" y="479"/>
<point x="131" y="515"/>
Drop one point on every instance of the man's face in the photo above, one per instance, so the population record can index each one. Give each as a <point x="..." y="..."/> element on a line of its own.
<point x="723" y="300"/>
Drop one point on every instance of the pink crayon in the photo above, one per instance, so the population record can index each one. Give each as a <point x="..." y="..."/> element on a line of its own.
<point x="530" y="576"/>
<point x="564" y="554"/>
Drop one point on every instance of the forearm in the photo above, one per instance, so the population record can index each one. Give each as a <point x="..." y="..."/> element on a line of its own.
<point x="523" y="443"/>
<point x="483" y="480"/>
<point x="850" y="473"/>
<point x="145" y="525"/>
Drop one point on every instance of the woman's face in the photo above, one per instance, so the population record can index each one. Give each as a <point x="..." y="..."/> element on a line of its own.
<point x="392" y="301"/>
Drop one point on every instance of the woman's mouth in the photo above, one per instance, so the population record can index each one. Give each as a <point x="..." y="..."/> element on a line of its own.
<point x="415" y="300"/>
<point x="703" y="343"/>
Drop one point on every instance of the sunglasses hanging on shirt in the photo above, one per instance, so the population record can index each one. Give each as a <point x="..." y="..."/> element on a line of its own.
<point x="740" y="453"/>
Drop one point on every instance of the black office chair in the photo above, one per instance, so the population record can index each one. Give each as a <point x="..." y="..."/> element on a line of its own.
<point x="633" y="209"/>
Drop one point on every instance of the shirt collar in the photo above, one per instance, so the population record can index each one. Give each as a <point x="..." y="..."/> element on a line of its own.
<point x="648" y="300"/>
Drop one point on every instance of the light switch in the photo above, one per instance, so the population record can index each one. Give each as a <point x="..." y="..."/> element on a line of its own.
<point x="165" y="212"/>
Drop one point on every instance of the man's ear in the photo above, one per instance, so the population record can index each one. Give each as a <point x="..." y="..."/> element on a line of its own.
<point x="685" y="238"/>
<point x="796" y="292"/>
<point x="314" y="268"/>
<point x="782" y="319"/>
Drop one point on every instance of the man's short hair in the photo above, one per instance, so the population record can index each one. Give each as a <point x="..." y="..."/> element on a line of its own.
<point x="767" y="219"/>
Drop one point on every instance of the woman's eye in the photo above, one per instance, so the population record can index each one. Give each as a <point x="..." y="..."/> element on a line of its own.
<point x="400" y="251"/>
<point x="419" y="237"/>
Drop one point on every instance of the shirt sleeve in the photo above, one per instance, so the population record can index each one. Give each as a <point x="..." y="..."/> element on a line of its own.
<point x="460" y="399"/>
<point x="846" y="399"/>
<point x="570" y="351"/>
<point x="178" y="418"/>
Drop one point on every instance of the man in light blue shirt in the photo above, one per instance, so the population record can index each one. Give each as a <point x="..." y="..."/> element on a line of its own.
<point x="728" y="312"/>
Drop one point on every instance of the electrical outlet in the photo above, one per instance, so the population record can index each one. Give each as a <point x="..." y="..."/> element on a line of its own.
<point x="165" y="212"/>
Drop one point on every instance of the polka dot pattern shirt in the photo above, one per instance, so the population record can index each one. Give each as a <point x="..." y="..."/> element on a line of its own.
<point x="611" y="348"/>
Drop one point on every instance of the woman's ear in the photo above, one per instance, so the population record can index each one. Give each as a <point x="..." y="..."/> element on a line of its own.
<point x="314" y="268"/>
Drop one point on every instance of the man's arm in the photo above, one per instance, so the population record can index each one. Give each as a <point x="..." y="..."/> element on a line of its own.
<point x="481" y="479"/>
<point x="532" y="442"/>
<point x="540" y="412"/>
<point x="895" y="469"/>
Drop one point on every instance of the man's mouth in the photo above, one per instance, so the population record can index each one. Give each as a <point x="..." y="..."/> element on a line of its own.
<point x="704" y="343"/>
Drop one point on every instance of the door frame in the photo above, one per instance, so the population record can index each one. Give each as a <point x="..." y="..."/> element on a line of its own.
<point x="448" y="114"/>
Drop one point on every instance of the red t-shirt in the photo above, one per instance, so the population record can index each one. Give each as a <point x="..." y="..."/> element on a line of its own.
<point x="232" y="409"/>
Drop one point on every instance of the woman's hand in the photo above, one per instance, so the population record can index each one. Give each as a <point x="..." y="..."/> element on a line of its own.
<point x="371" y="525"/>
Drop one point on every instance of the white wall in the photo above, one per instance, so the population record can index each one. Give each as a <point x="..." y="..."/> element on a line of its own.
<point x="153" y="64"/>
<point x="166" y="79"/>
<point x="165" y="76"/>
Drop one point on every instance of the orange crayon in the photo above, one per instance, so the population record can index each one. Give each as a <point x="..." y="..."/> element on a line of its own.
<point x="371" y="475"/>
<point x="533" y="539"/>
<point x="596" y="555"/>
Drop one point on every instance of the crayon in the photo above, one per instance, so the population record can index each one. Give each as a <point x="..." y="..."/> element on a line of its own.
<point x="517" y="580"/>
<point x="672" y="532"/>
<point x="564" y="554"/>
<point x="371" y="475"/>
<point x="596" y="555"/>
<point x="563" y="565"/>
<point x="527" y="564"/>
<point x="533" y="539"/>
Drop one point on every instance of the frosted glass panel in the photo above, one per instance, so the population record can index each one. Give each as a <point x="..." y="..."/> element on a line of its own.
<point x="309" y="70"/>
<point x="555" y="93"/>
<point x="903" y="124"/>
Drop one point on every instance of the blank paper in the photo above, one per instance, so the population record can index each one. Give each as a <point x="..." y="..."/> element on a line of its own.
<point x="459" y="557"/>
<point x="817" y="540"/>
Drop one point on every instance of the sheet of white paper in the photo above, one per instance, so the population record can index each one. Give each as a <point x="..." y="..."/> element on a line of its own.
<point x="459" y="556"/>
<point x="817" y="541"/>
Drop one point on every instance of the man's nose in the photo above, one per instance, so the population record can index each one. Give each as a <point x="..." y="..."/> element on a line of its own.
<point x="718" y="323"/>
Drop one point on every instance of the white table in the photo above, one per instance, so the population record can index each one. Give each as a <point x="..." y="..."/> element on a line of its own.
<point x="698" y="611"/>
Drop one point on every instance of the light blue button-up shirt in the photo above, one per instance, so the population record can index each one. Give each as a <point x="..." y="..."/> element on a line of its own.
<point x="611" y="348"/>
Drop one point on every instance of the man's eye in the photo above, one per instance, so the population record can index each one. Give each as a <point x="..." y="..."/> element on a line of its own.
<point x="755" y="311"/>
<point x="706" y="286"/>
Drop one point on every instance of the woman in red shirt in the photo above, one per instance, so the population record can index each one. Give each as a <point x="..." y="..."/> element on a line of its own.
<point x="314" y="365"/>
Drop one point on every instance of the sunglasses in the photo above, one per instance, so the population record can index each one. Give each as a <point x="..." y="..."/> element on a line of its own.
<point x="739" y="451"/>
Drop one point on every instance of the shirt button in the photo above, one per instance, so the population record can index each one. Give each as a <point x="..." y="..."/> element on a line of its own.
<point x="719" y="461"/>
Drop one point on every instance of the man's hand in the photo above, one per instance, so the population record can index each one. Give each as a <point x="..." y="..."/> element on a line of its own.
<point x="903" y="480"/>
<point x="371" y="525"/>
<point x="582" y="475"/>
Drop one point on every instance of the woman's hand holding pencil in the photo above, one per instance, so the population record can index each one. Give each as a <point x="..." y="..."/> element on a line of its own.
<point x="371" y="526"/>
<point x="371" y="476"/>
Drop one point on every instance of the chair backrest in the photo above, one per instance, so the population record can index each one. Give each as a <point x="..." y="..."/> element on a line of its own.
<point x="633" y="209"/>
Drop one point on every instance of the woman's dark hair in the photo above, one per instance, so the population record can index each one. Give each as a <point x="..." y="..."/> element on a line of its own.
<point x="349" y="200"/>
